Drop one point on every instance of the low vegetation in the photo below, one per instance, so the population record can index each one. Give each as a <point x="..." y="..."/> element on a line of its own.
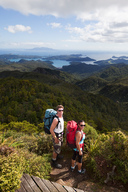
<point x="105" y="155"/>
<point x="107" y="158"/>
<point x="22" y="153"/>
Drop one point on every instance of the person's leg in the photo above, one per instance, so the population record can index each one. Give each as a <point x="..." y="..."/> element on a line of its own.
<point x="73" y="163"/>
<point x="57" y="150"/>
<point x="73" y="160"/>
<point x="80" y="170"/>
<point x="54" y="155"/>
<point x="59" y="156"/>
<point x="79" y="166"/>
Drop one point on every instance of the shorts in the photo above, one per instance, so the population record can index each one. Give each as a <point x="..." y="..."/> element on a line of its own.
<point x="57" y="146"/>
<point x="75" y="154"/>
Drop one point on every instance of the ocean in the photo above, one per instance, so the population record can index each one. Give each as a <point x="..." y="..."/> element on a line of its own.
<point x="59" y="63"/>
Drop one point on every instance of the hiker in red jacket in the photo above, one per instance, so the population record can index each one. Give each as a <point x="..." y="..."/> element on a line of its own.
<point x="78" y="151"/>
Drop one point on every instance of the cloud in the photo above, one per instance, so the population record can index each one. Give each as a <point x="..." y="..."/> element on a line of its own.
<point x="62" y="7"/>
<point x="104" y="20"/>
<point x="27" y="45"/>
<point x="18" y="28"/>
<point x="54" y="25"/>
<point x="101" y="32"/>
<point x="108" y="25"/>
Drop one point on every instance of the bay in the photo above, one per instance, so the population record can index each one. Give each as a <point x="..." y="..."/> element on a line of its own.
<point x="59" y="63"/>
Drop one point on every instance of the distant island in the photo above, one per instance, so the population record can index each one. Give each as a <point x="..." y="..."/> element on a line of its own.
<point x="72" y="57"/>
<point x="121" y="57"/>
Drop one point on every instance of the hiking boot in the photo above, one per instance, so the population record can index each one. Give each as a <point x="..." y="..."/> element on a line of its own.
<point x="56" y="165"/>
<point x="73" y="168"/>
<point x="60" y="156"/>
<point x="82" y="171"/>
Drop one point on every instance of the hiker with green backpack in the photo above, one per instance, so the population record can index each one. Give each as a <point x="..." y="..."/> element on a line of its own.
<point x="56" y="130"/>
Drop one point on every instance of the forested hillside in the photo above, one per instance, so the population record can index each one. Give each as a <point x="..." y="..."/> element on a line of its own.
<point x="82" y="70"/>
<point x="24" y="65"/>
<point x="27" y="90"/>
<point x="40" y="74"/>
<point x="111" y="82"/>
<point x="28" y="100"/>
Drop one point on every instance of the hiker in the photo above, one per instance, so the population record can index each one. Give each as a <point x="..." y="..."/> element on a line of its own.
<point x="56" y="130"/>
<point x="78" y="151"/>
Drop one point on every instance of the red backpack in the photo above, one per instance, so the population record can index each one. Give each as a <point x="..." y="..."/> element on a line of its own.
<point x="70" y="133"/>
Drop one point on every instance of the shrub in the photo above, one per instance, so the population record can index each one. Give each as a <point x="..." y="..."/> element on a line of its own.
<point x="36" y="165"/>
<point x="13" y="163"/>
<point x="11" y="170"/>
<point x="90" y="133"/>
<point x="23" y="126"/>
<point x="44" y="143"/>
<point x="38" y="144"/>
<point x="107" y="152"/>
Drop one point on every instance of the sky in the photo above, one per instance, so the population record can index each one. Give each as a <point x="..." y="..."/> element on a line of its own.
<point x="96" y="25"/>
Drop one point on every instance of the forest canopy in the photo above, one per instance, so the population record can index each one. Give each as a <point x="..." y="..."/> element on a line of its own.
<point x="22" y="99"/>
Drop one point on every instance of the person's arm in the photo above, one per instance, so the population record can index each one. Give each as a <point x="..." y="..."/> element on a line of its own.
<point x="78" y="139"/>
<point x="53" y="125"/>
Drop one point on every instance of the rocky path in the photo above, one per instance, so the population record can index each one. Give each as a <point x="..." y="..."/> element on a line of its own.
<point x="64" y="176"/>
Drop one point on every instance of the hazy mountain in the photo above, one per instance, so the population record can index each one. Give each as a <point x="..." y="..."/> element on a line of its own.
<point x="42" y="49"/>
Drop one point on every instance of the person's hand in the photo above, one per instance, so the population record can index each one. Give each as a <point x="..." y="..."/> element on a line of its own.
<point x="56" y="140"/>
<point x="80" y="153"/>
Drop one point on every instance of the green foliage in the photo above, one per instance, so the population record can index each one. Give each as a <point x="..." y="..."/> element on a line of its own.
<point x="113" y="72"/>
<point x="11" y="170"/>
<point x="92" y="84"/>
<point x="106" y="152"/>
<point x="13" y="163"/>
<point x="38" y="144"/>
<point x="90" y="133"/>
<point x="34" y="152"/>
<point x="112" y="82"/>
<point x="36" y="165"/>
<point x="24" y="127"/>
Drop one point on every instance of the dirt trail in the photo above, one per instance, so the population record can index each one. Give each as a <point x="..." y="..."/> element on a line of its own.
<point x="64" y="176"/>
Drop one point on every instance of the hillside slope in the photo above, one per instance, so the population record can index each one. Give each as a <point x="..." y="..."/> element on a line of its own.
<point x="40" y="74"/>
<point x="24" y="65"/>
<point x="24" y="99"/>
<point x="111" y="82"/>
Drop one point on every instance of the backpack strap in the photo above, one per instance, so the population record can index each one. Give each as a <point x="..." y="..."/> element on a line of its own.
<point x="80" y="132"/>
<point x="58" y="120"/>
